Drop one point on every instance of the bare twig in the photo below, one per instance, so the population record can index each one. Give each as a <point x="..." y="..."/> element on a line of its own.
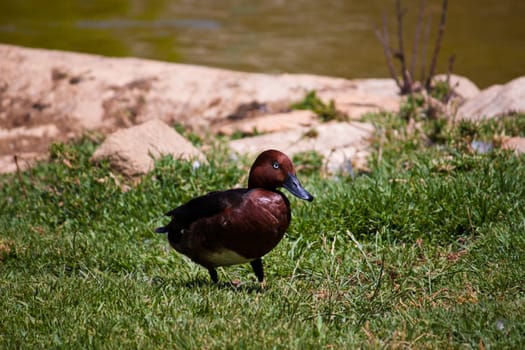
<point x="384" y="39"/>
<point x="424" y="50"/>
<point x="451" y="61"/>
<point x="409" y="83"/>
<point x="417" y="37"/>
<point x="438" y="44"/>
<point x="400" y="54"/>
<point x="19" y="174"/>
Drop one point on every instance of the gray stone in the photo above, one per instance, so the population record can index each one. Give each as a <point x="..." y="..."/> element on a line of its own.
<point x="497" y="100"/>
<point x="338" y="143"/>
<point x="132" y="151"/>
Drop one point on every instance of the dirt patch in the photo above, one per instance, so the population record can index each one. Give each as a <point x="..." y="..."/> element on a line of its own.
<point x="255" y="109"/>
<point x="249" y="111"/>
<point x="127" y="103"/>
<point x="27" y="128"/>
<point x="17" y="112"/>
<point x="59" y="75"/>
<point x="30" y="124"/>
<point x="27" y="116"/>
<point x="5" y="249"/>
<point x="27" y="144"/>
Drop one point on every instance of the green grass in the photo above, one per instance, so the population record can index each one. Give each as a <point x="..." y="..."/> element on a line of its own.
<point x="425" y="251"/>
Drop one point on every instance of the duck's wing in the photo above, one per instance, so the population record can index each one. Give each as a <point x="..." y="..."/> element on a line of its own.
<point x="206" y="206"/>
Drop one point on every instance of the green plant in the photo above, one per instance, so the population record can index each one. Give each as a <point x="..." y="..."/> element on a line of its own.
<point x="325" y="112"/>
<point x="441" y="90"/>
<point x="308" y="163"/>
<point x="413" y="107"/>
<point x="195" y="139"/>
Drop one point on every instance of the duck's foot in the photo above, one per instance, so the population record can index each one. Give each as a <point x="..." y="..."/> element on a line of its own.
<point x="257" y="267"/>
<point x="213" y="275"/>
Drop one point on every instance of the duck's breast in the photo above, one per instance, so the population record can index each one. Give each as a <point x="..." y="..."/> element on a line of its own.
<point x="257" y="225"/>
<point x="241" y="232"/>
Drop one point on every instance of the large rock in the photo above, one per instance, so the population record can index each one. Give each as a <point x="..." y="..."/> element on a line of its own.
<point x="497" y="100"/>
<point x="341" y="144"/>
<point x="94" y="91"/>
<point x="133" y="151"/>
<point x="77" y="92"/>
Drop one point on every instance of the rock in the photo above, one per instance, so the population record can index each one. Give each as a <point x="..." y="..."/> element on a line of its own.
<point x="49" y="130"/>
<point x="338" y="143"/>
<point x="271" y="123"/>
<point x="132" y="151"/>
<point x="364" y="96"/>
<point x="346" y="159"/>
<point x="102" y="92"/>
<point x="79" y="92"/>
<point x="497" y="100"/>
<point x="25" y="160"/>
<point x="464" y="87"/>
<point x="517" y="144"/>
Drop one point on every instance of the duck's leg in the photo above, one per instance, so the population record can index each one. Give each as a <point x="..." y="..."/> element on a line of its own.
<point x="257" y="267"/>
<point x="213" y="275"/>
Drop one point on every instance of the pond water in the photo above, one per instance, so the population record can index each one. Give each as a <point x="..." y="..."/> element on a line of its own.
<point x="331" y="37"/>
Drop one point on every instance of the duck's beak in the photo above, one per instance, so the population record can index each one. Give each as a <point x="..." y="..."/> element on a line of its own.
<point x="292" y="184"/>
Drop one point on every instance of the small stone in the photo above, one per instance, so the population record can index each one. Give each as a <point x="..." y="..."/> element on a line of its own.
<point x="132" y="151"/>
<point x="517" y="144"/>
<point x="500" y="325"/>
<point x="481" y="147"/>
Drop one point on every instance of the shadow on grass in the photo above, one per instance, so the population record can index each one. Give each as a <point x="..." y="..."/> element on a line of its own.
<point x="205" y="283"/>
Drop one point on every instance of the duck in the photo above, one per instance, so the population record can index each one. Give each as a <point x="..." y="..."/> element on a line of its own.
<point x="241" y="225"/>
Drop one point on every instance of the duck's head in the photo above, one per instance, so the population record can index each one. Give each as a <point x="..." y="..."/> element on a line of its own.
<point x="273" y="169"/>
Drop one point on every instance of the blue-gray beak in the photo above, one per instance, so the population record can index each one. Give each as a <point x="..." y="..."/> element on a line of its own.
<point x="292" y="184"/>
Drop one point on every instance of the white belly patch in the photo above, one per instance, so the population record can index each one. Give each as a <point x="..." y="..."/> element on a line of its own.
<point x="226" y="257"/>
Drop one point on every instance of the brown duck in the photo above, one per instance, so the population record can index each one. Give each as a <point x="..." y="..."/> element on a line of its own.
<point x="237" y="226"/>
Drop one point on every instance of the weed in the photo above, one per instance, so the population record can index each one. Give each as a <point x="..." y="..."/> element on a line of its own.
<point x="195" y="139"/>
<point x="308" y="163"/>
<point x="325" y="112"/>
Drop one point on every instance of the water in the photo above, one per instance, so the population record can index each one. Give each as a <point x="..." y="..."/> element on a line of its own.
<point x="333" y="37"/>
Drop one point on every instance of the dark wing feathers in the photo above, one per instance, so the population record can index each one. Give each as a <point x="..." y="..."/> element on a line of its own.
<point x="206" y="206"/>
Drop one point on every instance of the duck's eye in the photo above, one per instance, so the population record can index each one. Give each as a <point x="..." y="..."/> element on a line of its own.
<point x="276" y="165"/>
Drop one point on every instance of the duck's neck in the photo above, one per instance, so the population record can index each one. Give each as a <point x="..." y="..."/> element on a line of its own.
<point x="254" y="183"/>
<point x="257" y="179"/>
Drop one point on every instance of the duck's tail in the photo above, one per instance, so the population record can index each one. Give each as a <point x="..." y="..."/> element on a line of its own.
<point x="162" y="229"/>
